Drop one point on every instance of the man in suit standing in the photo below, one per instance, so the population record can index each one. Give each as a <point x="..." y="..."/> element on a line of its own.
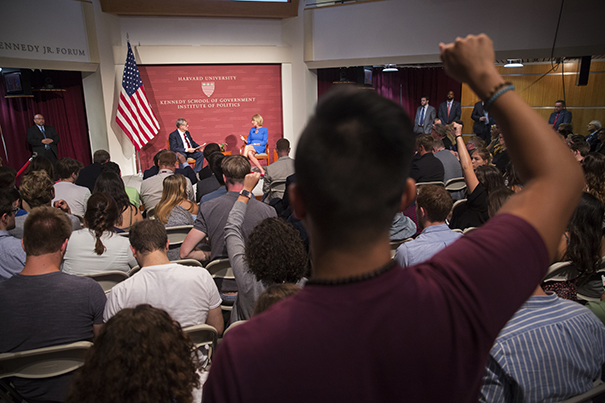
<point x="181" y="142"/>
<point x="425" y="114"/>
<point x="449" y="110"/>
<point x="560" y="115"/>
<point x="43" y="139"/>
<point x="483" y="122"/>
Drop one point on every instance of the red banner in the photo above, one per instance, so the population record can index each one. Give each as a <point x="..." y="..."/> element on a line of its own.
<point x="218" y="102"/>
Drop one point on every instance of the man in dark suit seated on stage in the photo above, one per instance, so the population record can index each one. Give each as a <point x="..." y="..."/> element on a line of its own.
<point x="43" y="139"/>
<point x="181" y="142"/>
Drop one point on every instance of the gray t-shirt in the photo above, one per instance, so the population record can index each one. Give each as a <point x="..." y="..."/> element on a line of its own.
<point x="212" y="218"/>
<point x="47" y="310"/>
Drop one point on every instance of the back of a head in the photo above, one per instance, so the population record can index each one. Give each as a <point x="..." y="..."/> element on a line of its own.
<point x="582" y="147"/>
<point x="68" y="166"/>
<point x="235" y="168"/>
<point x="215" y="161"/>
<point x="101" y="215"/>
<point x="282" y="145"/>
<point x="585" y="233"/>
<point x="111" y="183"/>
<point x="111" y="166"/>
<point x="490" y="177"/>
<point x="441" y="130"/>
<point x="100" y="157"/>
<point x="7" y="198"/>
<point x="148" y="236"/>
<point x="497" y="198"/>
<point x="565" y="129"/>
<point x="210" y="149"/>
<point x="477" y="142"/>
<point x="356" y="142"/>
<point x="8" y="176"/>
<point x="436" y="201"/>
<point x="41" y="163"/>
<point x="167" y="160"/>
<point x="438" y="144"/>
<point x="45" y="230"/>
<point x="173" y="192"/>
<point x="141" y="355"/>
<point x="577" y="138"/>
<point x="275" y="253"/>
<point x="37" y="189"/>
<point x="272" y="295"/>
<point x="425" y="141"/>
<point x="156" y="157"/>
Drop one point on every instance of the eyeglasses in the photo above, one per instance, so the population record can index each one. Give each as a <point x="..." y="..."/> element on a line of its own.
<point x="15" y="209"/>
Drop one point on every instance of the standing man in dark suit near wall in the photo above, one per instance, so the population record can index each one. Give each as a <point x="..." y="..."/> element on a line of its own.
<point x="181" y="142"/>
<point x="425" y="115"/>
<point x="449" y="110"/>
<point x="560" y="115"/>
<point x="483" y="122"/>
<point x="43" y="139"/>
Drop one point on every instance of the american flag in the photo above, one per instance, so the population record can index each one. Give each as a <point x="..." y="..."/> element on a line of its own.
<point x="135" y="115"/>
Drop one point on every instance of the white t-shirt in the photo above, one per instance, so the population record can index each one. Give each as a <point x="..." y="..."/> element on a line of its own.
<point x="186" y="293"/>
<point x="75" y="196"/>
<point x="80" y="256"/>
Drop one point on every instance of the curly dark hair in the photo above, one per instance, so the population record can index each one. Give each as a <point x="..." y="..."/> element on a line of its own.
<point x="594" y="171"/>
<point x="101" y="215"/>
<point x="140" y="356"/>
<point x="584" y="228"/>
<point x="275" y="253"/>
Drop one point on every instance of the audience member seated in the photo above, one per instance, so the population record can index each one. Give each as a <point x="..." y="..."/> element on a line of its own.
<point x="13" y="255"/>
<point x="111" y="184"/>
<point x="75" y="196"/>
<point x="42" y="307"/>
<point x="451" y="166"/>
<point x="565" y="129"/>
<point x="425" y="167"/>
<point x="581" y="245"/>
<point x="594" y="174"/>
<point x="494" y="146"/>
<point x="601" y="145"/>
<point x="37" y="190"/>
<point x="213" y="187"/>
<point x="151" y="188"/>
<point x="551" y="350"/>
<point x="133" y="193"/>
<point x="278" y="171"/>
<point x="186" y="171"/>
<point x="187" y="293"/>
<point x="97" y="247"/>
<point x="273" y="254"/>
<point x="433" y="204"/>
<point x="174" y="208"/>
<point x="593" y="137"/>
<point x="210" y="149"/>
<point x="473" y="143"/>
<point x="501" y="158"/>
<point x="579" y="150"/>
<point x="363" y="329"/>
<point x="88" y="175"/>
<point x="497" y="198"/>
<point x="274" y="294"/>
<point x="141" y="355"/>
<point x="480" y="157"/>
<point x="213" y="214"/>
<point x="8" y="177"/>
<point x="41" y="163"/>
<point x="479" y="183"/>
<point x="440" y="133"/>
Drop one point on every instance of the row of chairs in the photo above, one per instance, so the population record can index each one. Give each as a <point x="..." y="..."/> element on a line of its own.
<point x="58" y="360"/>
<point x="452" y="185"/>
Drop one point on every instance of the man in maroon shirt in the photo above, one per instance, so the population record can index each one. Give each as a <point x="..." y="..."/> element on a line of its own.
<point x="364" y="329"/>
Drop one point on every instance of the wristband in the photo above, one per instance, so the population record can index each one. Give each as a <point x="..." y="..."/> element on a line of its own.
<point x="497" y="94"/>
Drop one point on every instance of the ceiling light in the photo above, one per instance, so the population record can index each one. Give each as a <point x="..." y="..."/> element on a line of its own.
<point x="390" y="68"/>
<point x="514" y="63"/>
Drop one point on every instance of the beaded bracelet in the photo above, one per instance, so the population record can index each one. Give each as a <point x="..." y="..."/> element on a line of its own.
<point x="497" y="95"/>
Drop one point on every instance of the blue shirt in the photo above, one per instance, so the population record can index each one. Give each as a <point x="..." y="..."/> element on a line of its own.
<point x="430" y="241"/>
<point x="213" y="195"/>
<point x="550" y="350"/>
<point x="13" y="256"/>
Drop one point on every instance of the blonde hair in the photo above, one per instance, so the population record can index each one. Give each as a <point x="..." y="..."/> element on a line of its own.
<point x="174" y="192"/>
<point x="258" y="119"/>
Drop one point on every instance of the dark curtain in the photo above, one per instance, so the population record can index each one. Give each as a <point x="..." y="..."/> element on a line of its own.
<point x="64" y="110"/>
<point x="405" y="86"/>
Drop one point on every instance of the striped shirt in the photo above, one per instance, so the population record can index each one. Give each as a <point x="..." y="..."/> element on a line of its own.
<point x="550" y="350"/>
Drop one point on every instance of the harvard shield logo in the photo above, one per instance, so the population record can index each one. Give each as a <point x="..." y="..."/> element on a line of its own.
<point x="208" y="88"/>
